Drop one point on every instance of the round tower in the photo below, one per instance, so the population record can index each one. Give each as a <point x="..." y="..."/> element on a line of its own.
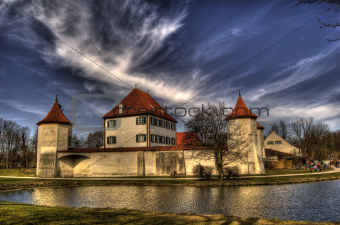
<point x="243" y="119"/>
<point x="54" y="134"/>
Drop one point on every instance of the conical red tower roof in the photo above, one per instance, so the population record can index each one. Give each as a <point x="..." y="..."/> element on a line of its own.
<point x="139" y="102"/>
<point x="241" y="110"/>
<point x="258" y="126"/>
<point x="55" y="116"/>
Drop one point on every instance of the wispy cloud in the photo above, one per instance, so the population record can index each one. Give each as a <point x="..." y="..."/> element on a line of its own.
<point x="129" y="34"/>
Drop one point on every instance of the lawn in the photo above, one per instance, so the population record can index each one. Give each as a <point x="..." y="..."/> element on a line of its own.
<point x="16" y="213"/>
<point x="18" y="172"/>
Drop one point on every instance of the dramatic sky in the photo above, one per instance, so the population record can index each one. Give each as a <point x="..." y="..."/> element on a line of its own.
<point x="186" y="53"/>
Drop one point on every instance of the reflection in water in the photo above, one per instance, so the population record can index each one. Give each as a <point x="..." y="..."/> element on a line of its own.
<point x="314" y="201"/>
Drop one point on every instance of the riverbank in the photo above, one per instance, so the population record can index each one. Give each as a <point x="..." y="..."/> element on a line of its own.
<point x="7" y="184"/>
<point x="17" y="213"/>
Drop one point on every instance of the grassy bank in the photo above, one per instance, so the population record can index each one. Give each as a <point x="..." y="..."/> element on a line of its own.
<point x="21" y="183"/>
<point x="16" y="213"/>
<point x="18" y="172"/>
<point x="31" y="172"/>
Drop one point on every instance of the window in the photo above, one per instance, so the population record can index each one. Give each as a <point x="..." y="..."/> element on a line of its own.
<point x="278" y="142"/>
<point x="167" y="140"/>
<point x="161" y="139"/>
<point x="141" y="138"/>
<point x="160" y="123"/>
<point x="167" y="125"/>
<point x="151" y="120"/>
<point x="152" y="138"/>
<point x="173" y="141"/>
<point x="111" y="123"/>
<point x="140" y="120"/>
<point x="173" y="126"/>
<point x="157" y="138"/>
<point x="111" y="140"/>
<point x="270" y="142"/>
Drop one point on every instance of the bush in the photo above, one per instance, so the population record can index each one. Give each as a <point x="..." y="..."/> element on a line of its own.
<point x="232" y="171"/>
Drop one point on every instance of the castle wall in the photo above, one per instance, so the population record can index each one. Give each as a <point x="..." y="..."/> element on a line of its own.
<point x="139" y="163"/>
<point x="51" y="138"/>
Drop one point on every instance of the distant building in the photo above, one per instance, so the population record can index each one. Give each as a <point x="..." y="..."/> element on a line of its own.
<point x="275" y="143"/>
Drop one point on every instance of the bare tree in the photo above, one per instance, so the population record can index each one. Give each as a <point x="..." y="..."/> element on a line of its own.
<point x="334" y="6"/>
<point x="226" y="140"/>
<point x="282" y="129"/>
<point x="23" y="139"/>
<point x="312" y="137"/>
<point x="77" y="142"/>
<point x="95" y="140"/>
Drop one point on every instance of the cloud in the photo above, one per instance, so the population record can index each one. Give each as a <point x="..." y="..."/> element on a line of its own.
<point x="305" y="69"/>
<point x="117" y="38"/>
<point x="34" y="109"/>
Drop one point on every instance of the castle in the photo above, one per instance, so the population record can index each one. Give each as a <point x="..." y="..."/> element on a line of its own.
<point x="140" y="139"/>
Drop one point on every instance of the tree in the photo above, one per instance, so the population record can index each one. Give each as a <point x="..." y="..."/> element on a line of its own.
<point x="227" y="140"/>
<point x="312" y="137"/>
<point x="282" y="129"/>
<point x="23" y="139"/>
<point x="77" y="142"/>
<point x="95" y="140"/>
<point x="334" y="6"/>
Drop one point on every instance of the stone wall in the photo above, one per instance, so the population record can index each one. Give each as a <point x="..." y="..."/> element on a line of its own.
<point x="139" y="163"/>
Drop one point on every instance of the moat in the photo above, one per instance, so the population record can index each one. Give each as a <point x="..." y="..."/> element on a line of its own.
<point x="308" y="201"/>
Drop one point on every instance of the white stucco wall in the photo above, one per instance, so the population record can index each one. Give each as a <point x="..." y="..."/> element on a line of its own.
<point x="284" y="147"/>
<point x="126" y="133"/>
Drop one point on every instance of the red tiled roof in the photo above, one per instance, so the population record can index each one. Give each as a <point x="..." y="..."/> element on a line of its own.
<point x="186" y="138"/>
<point x="55" y="116"/>
<point x="259" y="126"/>
<point x="241" y="110"/>
<point x="139" y="102"/>
<point x="130" y="149"/>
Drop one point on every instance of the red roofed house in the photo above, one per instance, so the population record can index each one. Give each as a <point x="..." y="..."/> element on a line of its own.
<point x="186" y="138"/>
<point x="140" y="139"/>
<point x="138" y="113"/>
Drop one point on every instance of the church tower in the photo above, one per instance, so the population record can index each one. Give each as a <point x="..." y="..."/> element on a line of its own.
<point x="54" y="134"/>
<point x="246" y="121"/>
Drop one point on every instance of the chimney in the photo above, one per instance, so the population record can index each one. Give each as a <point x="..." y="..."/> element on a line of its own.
<point x="121" y="108"/>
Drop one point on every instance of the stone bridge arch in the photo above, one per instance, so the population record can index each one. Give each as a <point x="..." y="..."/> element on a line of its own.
<point x="73" y="165"/>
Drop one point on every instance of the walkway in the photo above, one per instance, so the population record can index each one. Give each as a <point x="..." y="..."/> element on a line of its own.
<point x="336" y="170"/>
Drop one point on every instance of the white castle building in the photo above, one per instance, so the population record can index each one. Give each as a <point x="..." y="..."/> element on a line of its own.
<point x="140" y="139"/>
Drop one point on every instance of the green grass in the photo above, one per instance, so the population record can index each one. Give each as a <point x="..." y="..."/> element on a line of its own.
<point x="16" y="213"/>
<point x="290" y="171"/>
<point x="18" y="172"/>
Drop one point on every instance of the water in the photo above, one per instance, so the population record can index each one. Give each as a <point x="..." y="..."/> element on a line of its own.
<point x="309" y="201"/>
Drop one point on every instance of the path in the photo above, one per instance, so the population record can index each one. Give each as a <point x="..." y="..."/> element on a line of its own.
<point x="336" y="170"/>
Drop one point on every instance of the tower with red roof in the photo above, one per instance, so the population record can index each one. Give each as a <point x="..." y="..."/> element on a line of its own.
<point x="138" y="121"/>
<point x="246" y="121"/>
<point x="54" y="134"/>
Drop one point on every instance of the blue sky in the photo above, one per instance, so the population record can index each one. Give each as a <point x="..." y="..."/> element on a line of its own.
<point x="191" y="52"/>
